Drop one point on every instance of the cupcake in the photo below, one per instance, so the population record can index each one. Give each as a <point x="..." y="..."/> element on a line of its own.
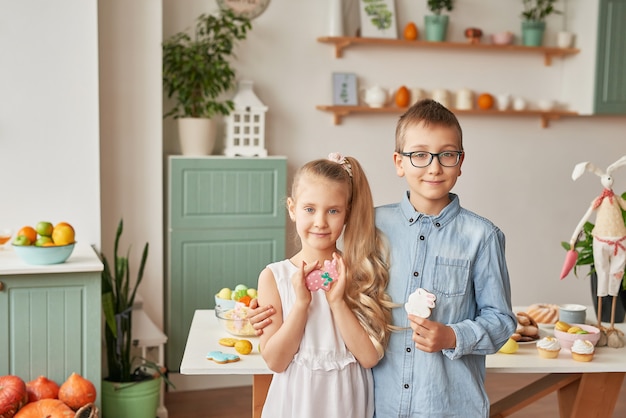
<point x="582" y="350"/>
<point x="548" y="347"/>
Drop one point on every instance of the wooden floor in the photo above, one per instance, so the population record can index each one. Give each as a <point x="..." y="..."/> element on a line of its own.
<point x="236" y="402"/>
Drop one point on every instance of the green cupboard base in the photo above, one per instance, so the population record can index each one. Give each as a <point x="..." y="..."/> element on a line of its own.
<point x="130" y="400"/>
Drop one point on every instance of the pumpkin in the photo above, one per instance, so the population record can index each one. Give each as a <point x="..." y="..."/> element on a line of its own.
<point x="48" y="408"/>
<point x="42" y="388"/>
<point x="12" y="395"/>
<point x="77" y="391"/>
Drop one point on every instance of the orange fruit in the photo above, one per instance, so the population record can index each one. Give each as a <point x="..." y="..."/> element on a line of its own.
<point x="29" y="232"/>
<point x="485" y="101"/>
<point x="410" y="32"/>
<point x="63" y="234"/>
<point x="403" y="97"/>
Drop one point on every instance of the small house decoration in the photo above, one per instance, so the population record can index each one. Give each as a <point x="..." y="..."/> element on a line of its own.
<point x="245" y="126"/>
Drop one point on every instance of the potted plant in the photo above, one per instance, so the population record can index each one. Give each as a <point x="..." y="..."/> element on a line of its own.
<point x="436" y="25"/>
<point x="127" y="375"/>
<point x="534" y="20"/>
<point x="584" y="247"/>
<point x="197" y="73"/>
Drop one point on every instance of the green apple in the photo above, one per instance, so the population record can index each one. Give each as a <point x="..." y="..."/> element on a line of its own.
<point x="225" y="293"/>
<point x="21" y="240"/>
<point x="43" y="240"/>
<point x="241" y="287"/>
<point x="252" y="293"/>
<point x="44" y="228"/>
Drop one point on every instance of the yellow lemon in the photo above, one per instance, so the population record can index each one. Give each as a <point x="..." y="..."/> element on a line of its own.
<point x="243" y="347"/>
<point x="562" y="326"/>
<point x="509" y="347"/>
<point x="63" y="234"/>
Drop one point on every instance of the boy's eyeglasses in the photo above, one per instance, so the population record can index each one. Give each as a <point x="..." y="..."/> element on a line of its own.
<point x="421" y="159"/>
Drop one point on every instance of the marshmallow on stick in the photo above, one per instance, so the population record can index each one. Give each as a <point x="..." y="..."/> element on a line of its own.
<point x="420" y="303"/>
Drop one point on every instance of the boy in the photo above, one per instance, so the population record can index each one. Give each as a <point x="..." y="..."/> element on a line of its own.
<point x="435" y="367"/>
<point x="454" y="254"/>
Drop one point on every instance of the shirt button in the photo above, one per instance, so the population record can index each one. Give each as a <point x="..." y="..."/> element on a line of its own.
<point x="406" y="385"/>
<point x="415" y="274"/>
<point x="411" y="220"/>
<point x="437" y="224"/>
<point x="408" y="349"/>
<point x="422" y="238"/>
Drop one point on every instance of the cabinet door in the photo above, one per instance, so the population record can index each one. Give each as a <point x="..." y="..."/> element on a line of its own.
<point x="611" y="59"/>
<point x="204" y="261"/>
<point x="227" y="192"/>
<point x="50" y="326"/>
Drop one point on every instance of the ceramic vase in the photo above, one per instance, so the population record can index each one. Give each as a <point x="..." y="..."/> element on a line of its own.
<point x="196" y="135"/>
<point x="532" y="33"/>
<point x="607" y="302"/>
<point x="436" y="27"/>
<point x="335" y="18"/>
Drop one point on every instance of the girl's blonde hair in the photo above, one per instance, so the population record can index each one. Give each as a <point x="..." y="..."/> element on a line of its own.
<point x="364" y="251"/>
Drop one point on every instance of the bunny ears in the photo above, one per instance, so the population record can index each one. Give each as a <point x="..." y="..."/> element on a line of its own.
<point x="580" y="168"/>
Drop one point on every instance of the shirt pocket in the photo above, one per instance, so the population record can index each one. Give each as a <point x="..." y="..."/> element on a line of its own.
<point x="451" y="276"/>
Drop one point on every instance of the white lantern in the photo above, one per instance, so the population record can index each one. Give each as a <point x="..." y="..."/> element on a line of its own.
<point x="245" y="126"/>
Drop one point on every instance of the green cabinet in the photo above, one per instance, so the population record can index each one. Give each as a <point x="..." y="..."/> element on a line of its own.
<point x="226" y="222"/>
<point x="50" y="318"/>
<point x="610" y="88"/>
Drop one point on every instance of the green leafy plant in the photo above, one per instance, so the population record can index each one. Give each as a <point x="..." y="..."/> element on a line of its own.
<point x="538" y="10"/>
<point x="196" y="69"/>
<point x="118" y="297"/>
<point x="584" y="247"/>
<point x="437" y="6"/>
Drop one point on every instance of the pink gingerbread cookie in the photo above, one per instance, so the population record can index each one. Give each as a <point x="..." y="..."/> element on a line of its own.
<point x="420" y="303"/>
<point x="322" y="278"/>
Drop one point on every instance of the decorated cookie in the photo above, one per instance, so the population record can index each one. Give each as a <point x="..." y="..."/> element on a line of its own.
<point x="322" y="278"/>
<point x="222" y="358"/>
<point x="420" y="303"/>
<point x="228" y="342"/>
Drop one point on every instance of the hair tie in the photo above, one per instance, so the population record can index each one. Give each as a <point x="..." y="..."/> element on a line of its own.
<point x="340" y="159"/>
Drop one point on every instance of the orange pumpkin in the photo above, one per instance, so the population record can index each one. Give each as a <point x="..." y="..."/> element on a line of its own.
<point x="77" y="391"/>
<point x="42" y="388"/>
<point x="403" y="97"/>
<point x="49" y="408"/>
<point x="410" y="32"/>
<point x="12" y="395"/>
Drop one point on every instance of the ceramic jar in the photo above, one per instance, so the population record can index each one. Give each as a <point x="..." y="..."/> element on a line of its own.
<point x="442" y="96"/>
<point x="464" y="99"/>
<point x="374" y="96"/>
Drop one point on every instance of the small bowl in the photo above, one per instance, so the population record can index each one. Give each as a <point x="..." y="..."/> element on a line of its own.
<point x="235" y="320"/>
<point x="546" y="104"/>
<point x="502" y="38"/>
<point x="224" y="303"/>
<point x="566" y="339"/>
<point x="31" y="254"/>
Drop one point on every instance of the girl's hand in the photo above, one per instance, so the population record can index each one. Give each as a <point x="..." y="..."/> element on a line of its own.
<point x="303" y="295"/>
<point x="431" y="336"/>
<point x="337" y="289"/>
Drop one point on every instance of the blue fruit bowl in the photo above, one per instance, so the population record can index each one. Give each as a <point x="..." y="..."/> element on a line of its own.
<point x="31" y="254"/>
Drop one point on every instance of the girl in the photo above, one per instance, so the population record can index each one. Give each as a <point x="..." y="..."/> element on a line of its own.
<point x="322" y="344"/>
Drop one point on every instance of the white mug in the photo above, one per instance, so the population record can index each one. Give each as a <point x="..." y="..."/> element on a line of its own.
<point x="564" y="39"/>
<point x="503" y="101"/>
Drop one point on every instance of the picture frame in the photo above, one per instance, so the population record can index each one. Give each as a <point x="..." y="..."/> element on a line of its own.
<point x="345" y="92"/>
<point x="378" y="19"/>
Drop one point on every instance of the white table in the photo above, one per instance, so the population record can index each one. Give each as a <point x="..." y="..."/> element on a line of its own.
<point x="582" y="387"/>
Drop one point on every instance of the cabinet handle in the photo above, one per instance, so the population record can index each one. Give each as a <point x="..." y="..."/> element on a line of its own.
<point x="1" y="286"/>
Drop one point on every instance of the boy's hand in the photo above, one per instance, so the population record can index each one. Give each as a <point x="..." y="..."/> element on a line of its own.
<point x="260" y="317"/>
<point x="431" y="336"/>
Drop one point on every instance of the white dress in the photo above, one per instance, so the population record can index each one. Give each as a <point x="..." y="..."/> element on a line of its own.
<point x="324" y="379"/>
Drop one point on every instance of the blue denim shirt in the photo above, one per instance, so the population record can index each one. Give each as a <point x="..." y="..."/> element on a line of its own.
<point x="458" y="256"/>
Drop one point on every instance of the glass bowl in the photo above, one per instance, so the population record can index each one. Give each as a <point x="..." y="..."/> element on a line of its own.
<point x="235" y="320"/>
<point x="56" y="254"/>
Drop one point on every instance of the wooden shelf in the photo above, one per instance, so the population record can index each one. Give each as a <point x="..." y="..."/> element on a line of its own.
<point x="546" y="116"/>
<point x="343" y="42"/>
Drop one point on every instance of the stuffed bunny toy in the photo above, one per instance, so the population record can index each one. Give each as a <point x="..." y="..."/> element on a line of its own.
<point x="609" y="244"/>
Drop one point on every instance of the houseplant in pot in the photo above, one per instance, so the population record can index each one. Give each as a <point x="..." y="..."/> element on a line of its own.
<point x="197" y="73"/>
<point x="534" y="20"/>
<point x="132" y="385"/>
<point x="436" y="25"/>
<point x="584" y="247"/>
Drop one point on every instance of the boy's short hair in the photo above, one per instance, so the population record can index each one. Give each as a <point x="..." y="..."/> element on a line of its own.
<point x="428" y="112"/>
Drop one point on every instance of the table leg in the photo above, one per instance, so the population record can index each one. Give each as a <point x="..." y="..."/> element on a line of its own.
<point x="260" y="386"/>
<point x="597" y="395"/>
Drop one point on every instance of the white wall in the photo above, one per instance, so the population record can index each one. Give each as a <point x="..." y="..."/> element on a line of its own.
<point x="49" y="139"/>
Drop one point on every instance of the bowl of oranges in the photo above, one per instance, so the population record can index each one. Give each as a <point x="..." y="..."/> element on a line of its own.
<point x="45" y="243"/>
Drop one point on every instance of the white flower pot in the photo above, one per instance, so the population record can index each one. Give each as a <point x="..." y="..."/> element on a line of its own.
<point x="196" y="135"/>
